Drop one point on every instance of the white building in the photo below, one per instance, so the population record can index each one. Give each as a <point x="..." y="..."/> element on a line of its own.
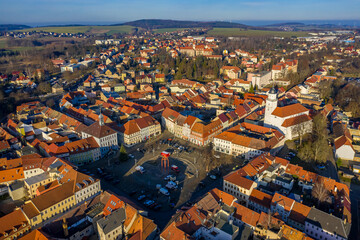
<point x="105" y="136"/>
<point x="282" y="205"/>
<point x="344" y="149"/>
<point x="321" y="225"/>
<point x="239" y="187"/>
<point x="260" y="79"/>
<point x="292" y="120"/>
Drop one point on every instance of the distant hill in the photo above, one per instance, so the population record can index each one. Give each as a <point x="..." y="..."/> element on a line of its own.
<point x="161" y="23"/>
<point x="10" y="27"/>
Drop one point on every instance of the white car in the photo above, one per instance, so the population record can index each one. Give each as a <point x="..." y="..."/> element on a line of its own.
<point x="164" y="191"/>
<point x="213" y="177"/>
<point x="170" y="178"/>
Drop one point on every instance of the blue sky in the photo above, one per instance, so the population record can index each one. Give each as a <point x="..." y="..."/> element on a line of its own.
<point x="113" y="11"/>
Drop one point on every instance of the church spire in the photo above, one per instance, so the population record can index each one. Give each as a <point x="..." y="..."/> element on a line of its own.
<point x="101" y="119"/>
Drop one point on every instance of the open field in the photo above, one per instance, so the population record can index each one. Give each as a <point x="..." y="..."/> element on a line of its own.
<point x="237" y="32"/>
<point x="163" y="30"/>
<point x="83" y="29"/>
<point x="2" y="43"/>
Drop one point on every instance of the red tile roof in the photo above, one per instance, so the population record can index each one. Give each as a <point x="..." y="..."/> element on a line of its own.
<point x="289" y="110"/>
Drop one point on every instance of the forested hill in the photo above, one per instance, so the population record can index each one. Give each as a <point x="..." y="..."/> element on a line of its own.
<point x="160" y="23"/>
<point x="10" y="27"/>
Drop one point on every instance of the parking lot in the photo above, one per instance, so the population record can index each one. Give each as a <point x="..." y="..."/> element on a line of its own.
<point x="143" y="187"/>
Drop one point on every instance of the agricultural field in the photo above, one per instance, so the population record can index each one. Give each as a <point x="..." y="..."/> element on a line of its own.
<point x="238" y="32"/>
<point x="164" y="30"/>
<point x="83" y="29"/>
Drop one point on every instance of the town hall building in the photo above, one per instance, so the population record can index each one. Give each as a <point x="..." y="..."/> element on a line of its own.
<point x="105" y="136"/>
<point x="292" y="120"/>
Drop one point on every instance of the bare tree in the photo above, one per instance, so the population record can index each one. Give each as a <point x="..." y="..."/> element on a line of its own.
<point x="300" y="130"/>
<point x="320" y="193"/>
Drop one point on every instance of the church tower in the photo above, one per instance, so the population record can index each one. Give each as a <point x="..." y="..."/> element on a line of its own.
<point x="101" y="120"/>
<point x="271" y="104"/>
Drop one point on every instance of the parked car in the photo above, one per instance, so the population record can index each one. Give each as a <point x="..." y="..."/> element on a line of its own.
<point x="140" y="169"/>
<point x="164" y="191"/>
<point x="213" y="177"/>
<point x="170" y="178"/>
<point x="133" y="193"/>
<point x="131" y="156"/>
<point x="157" y="207"/>
<point x="141" y="197"/>
<point x="171" y="185"/>
<point x="175" y="168"/>
<point x="149" y="202"/>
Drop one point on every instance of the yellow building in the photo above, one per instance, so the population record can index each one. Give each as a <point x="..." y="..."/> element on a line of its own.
<point x="32" y="183"/>
<point x="49" y="204"/>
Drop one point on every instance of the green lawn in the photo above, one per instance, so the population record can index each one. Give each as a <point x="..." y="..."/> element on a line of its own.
<point x="111" y="29"/>
<point x="2" y="43"/>
<point x="75" y="29"/>
<point x="83" y="29"/>
<point x="163" y="30"/>
<point x="237" y="32"/>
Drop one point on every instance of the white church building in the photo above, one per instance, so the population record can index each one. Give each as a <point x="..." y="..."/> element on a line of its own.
<point x="292" y="120"/>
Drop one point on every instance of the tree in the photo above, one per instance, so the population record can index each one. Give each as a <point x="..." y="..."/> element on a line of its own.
<point x="317" y="147"/>
<point x="50" y="103"/>
<point x="44" y="87"/>
<point x="338" y="162"/>
<point x="300" y="130"/>
<point x="251" y="90"/>
<point x="123" y="154"/>
<point x="320" y="193"/>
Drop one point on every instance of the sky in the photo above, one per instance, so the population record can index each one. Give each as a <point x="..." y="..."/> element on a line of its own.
<point x="45" y="12"/>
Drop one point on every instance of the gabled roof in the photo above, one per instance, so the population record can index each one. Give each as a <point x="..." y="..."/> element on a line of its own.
<point x="328" y="222"/>
<point x="98" y="131"/>
<point x="286" y="202"/>
<point x="239" y="181"/>
<point x="246" y="215"/>
<point x="289" y="110"/>
<point x="260" y="198"/>
<point x="299" y="212"/>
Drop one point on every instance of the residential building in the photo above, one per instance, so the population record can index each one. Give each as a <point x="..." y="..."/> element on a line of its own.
<point x="111" y="227"/>
<point x="321" y="225"/>
<point x="260" y="79"/>
<point x="248" y="140"/>
<point x="238" y="186"/>
<point x="139" y="130"/>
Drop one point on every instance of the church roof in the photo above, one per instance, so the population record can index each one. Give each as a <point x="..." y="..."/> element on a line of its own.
<point x="98" y="131"/>
<point x="289" y="110"/>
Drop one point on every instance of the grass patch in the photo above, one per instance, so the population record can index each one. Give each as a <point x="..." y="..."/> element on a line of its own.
<point x="109" y="30"/>
<point x="83" y="29"/>
<point x="2" y="43"/>
<point x="238" y="32"/>
<point x="164" y="30"/>
<point x="74" y="29"/>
